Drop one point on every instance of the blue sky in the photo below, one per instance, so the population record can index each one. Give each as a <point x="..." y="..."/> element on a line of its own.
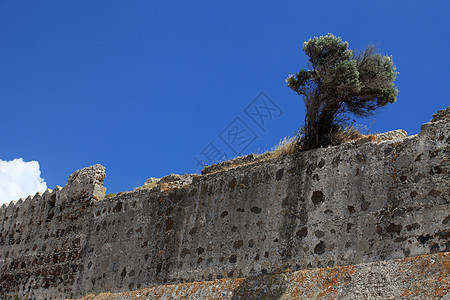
<point x="145" y="87"/>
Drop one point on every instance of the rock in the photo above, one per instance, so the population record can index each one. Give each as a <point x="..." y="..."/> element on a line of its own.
<point x="85" y="183"/>
<point x="442" y="115"/>
<point x="181" y="179"/>
<point x="152" y="181"/>
<point x="391" y="135"/>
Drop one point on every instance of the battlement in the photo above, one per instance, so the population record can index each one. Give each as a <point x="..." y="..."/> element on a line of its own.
<point x="357" y="203"/>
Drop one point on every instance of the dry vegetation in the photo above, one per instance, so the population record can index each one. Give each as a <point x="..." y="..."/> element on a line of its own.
<point x="286" y="146"/>
<point x="149" y="185"/>
<point x="346" y="134"/>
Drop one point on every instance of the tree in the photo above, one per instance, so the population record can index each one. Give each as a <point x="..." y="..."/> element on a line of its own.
<point x="340" y="82"/>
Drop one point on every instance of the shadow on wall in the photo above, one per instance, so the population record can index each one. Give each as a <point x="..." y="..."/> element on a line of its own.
<point x="264" y="287"/>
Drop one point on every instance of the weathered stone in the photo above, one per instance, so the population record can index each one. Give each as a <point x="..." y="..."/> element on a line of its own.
<point x="85" y="183"/>
<point x="442" y="115"/>
<point x="337" y="206"/>
<point x="421" y="277"/>
<point x="152" y="181"/>
<point x="391" y="135"/>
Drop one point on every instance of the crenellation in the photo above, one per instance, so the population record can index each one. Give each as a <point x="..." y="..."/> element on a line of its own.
<point x="45" y="245"/>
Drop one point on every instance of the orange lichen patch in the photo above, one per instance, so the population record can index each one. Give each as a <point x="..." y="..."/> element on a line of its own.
<point x="425" y="277"/>
<point x="445" y="262"/>
<point x="319" y="283"/>
<point x="169" y="186"/>
<point x="166" y="187"/>
<point x="330" y="279"/>
<point x="424" y="265"/>
<point x="443" y="287"/>
<point x="407" y="292"/>
<point x="442" y="290"/>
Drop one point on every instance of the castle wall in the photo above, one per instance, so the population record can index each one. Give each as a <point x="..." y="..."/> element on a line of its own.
<point x="418" y="277"/>
<point x="354" y="203"/>
<point x="42" y="238"/>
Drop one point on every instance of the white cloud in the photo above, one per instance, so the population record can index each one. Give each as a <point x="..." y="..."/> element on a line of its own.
<point x="19" y="179"/>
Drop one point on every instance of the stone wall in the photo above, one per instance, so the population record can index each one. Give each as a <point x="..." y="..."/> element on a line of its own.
<point x="355" y="203"/>
<point x="418" y="277"/>
<point x="42" y="238"/>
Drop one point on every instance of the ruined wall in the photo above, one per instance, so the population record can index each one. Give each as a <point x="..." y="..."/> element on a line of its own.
<point x="42" y="238"/>
<point x="355" y="203"/>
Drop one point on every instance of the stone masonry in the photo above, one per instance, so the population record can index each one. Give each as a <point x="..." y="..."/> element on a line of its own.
<point x="418" y="277"/>
<point x="357" y="203"/>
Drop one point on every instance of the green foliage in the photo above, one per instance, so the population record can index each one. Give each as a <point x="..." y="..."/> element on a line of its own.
<point x="340" y="82"/>
<point x="110" y="195"/>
